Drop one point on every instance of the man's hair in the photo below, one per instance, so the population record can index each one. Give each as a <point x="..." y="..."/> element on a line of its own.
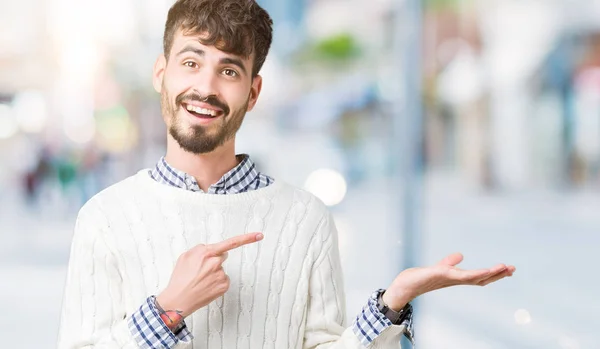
<point x="239" y="27"/>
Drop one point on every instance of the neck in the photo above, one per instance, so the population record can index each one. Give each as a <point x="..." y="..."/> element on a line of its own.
<point x="207" y="168"/>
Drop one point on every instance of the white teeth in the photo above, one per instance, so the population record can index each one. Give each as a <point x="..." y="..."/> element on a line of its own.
<point x="201" y="110"/>
<point x="207" y="112"/>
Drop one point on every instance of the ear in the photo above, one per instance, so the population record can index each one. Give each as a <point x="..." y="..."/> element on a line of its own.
<point x="254" y="92"/>
<point x="159" y="72"/>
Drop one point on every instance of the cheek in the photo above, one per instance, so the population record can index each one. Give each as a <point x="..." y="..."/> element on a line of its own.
<point x="238" y="97"/>
<point x="176" y="83"/>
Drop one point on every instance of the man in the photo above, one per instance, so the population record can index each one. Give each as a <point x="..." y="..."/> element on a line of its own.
<point x="204" y="251"/>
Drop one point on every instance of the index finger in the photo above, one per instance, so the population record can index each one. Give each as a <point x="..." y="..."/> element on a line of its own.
<point x="235" y="242"/>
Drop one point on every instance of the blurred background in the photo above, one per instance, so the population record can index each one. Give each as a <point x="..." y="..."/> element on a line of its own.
<point x="428" y="126"/>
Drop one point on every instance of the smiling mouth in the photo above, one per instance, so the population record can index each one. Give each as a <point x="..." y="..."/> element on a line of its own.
<point x="204" y="113"/>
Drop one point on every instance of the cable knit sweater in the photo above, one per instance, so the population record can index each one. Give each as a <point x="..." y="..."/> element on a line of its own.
<point x="286" y="290"/>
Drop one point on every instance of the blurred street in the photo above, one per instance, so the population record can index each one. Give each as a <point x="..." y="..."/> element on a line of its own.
<point x="551" y="238"/>
<point x="488" y="110"/>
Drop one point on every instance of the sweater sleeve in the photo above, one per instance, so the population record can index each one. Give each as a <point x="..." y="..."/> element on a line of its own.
<point x="93" y="312"/>
<point x="326" y="317"/>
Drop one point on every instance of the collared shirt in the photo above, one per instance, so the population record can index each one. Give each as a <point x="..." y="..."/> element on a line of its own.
<point x="244" y="177"/>
<point x="146" y="326"/>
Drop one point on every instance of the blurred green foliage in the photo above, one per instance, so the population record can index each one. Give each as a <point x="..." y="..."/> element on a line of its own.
<point x="443" y="4"/>
<point x="338" y="47"/>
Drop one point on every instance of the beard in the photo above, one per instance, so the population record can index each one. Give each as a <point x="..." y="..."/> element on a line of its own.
<point x="199" y="139"/>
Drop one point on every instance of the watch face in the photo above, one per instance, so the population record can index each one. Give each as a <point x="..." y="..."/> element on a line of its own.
<point x="393" y="316"/>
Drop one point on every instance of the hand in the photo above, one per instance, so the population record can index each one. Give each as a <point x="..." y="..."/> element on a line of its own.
<point x="198" y="277"/>
<point x="414" y="282"/>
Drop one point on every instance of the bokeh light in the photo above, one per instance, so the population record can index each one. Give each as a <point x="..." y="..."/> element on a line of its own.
<point x="30" y="111"/>
<point x="522" y="317"/>
<point x="80" y="131"/>
<point x="328" y="185"/>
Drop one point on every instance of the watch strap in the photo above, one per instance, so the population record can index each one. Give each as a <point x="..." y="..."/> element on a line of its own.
<point x="395" y="317"/>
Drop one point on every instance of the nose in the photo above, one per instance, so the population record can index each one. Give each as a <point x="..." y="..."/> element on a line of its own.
<point x="206" y="83"/>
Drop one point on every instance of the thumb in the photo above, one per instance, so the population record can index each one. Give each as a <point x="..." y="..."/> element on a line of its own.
<point x="452" y="259"/>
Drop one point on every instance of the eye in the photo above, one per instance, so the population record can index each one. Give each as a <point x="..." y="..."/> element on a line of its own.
<point x="230" y="72"/>
<point x="190" y="64"/>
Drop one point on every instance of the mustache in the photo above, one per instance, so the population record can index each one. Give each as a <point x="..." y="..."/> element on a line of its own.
<point x="210" y="100"/>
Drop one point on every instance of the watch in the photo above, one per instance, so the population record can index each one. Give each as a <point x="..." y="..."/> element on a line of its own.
<point x="396" y="317"/>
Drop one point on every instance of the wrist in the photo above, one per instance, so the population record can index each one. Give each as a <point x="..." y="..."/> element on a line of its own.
<point x="167" y="304"/>
<point x="396" y="317"/>
<point x="396" y="300"/>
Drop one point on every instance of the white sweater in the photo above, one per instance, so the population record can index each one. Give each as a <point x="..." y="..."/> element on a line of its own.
<point x="286" y="290"/>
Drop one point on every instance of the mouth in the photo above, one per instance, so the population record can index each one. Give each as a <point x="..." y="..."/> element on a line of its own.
<point x="203" y="111"/>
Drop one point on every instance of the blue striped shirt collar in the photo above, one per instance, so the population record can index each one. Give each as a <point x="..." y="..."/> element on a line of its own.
<point x="237" y="180"/>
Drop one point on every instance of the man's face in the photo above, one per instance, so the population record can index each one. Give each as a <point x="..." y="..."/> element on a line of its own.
<point x="205" y="93"/>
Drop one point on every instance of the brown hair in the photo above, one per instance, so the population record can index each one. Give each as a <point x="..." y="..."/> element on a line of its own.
<point x="239" y="27"/>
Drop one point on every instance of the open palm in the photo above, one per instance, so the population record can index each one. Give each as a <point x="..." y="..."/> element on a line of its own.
<point x="414" y="282"/>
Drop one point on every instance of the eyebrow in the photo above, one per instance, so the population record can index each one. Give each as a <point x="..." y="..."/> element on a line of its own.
<point x="197" y="51"/>
<point x="226" y="60"/>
